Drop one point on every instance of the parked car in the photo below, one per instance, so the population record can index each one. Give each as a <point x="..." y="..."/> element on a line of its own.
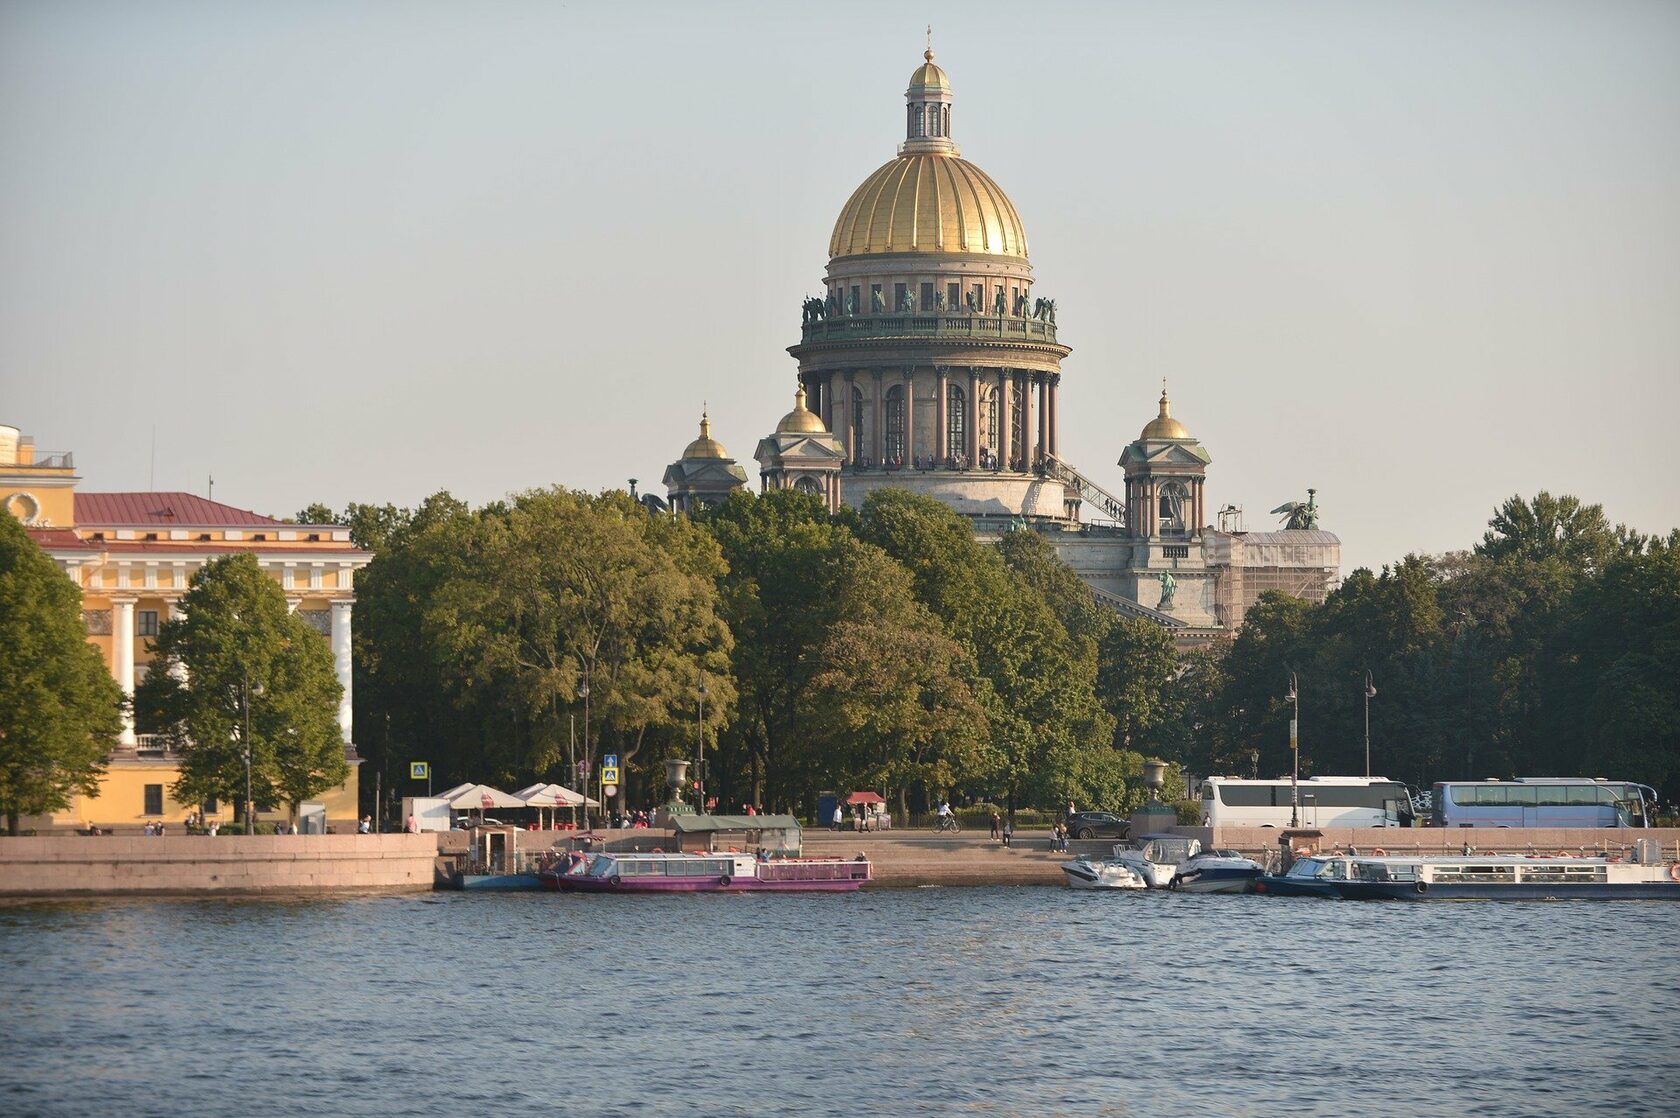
<point x="1097" y="824"/>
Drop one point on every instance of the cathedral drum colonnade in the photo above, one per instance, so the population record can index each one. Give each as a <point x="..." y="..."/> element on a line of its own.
<point x="928" y="357"/>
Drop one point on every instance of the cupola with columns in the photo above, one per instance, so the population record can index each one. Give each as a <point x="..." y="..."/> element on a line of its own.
<point x="801" y="454"/>
<point x="1166" y="472"/>
<point x="705" y="474"/>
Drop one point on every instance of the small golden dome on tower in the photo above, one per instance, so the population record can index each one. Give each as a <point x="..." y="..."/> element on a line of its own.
<point x="705" y="446"/>
<point x="1164" y="426"/>
<point x="801" y="420"/>
<point x="929" y="76"/>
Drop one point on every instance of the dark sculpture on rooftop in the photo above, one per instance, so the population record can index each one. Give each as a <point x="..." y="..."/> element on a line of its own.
<point x="1299" y="515"/>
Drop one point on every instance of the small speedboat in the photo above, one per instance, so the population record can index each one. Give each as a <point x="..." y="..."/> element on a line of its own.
<point x="1083" y="873"/>
<point x="1216" y="871"/>
<point x="1156" y="858"/>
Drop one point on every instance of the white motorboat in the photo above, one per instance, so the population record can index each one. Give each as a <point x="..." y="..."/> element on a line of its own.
<point x="1216" y="871"/>
<point x="1156" y="858"/>
<point x="1083" y="873"/>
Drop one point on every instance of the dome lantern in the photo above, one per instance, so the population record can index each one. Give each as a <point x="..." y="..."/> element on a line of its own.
<point x="705" y="446"/>
<point x="801" y="420"/>
<point x="927" y="124"/>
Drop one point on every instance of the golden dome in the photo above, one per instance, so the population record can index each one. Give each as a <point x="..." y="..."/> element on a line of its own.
<point x="705" y="446"/>
<point x="1164" y="426"/>
<point x="801" y="420"/>
<point x="929" y="76"/>
<point x="928" y="202"/>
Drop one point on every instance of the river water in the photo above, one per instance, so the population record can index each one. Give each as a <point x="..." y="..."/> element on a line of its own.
<point x="989" y="1002"/>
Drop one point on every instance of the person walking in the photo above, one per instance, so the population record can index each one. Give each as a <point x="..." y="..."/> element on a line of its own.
<point x="839" y="818"/>
<point x="1008" y="831"/>
<point x="995" y="821"/>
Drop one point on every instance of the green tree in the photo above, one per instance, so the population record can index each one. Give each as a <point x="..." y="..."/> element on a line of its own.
<point x="60" y="710"/>
<point x="237" y="658"/>
<point x="315" y="513"/>
<point x="1136" y="667"/>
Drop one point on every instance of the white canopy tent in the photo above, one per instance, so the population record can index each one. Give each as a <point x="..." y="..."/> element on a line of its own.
<point x="553" y="796"/>
<point x="479" y="798"/>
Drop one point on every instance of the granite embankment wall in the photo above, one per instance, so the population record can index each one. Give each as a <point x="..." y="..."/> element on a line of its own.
<point x="70" y="865"/>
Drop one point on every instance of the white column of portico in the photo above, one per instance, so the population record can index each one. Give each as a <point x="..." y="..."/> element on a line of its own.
<point x="122" y="658"/>
<point x="341" y="659"/>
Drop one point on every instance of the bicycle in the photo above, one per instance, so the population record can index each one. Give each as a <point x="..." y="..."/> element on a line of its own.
<point x="947" y="823"/>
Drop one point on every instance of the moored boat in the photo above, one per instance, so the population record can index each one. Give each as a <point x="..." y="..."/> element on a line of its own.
<point x="1156" y="858"/>
<point x="1507" y="877"/>
<point x="1083" y="873"/>
<point x="705" y="873"/>
<point x="1216" y="871"/>
<point x="1310" y="876"/>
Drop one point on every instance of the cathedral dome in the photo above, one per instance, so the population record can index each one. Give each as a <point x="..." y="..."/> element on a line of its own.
<point x="928" y="202"/>
<point x="705" y="446"/>
<point x="928" y="199"/>
<point x="801" y="420"/>
<point x="1164" y="426"/>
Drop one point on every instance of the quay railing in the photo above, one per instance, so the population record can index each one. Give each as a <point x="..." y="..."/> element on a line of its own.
<point x="956" y="326"/>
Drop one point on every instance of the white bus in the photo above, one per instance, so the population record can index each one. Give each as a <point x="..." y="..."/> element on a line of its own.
<point x="1325" y="801"/>
<point x="1543" y="801"/>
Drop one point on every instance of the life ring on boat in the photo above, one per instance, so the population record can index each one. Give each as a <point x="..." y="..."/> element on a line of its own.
<point x="1564" y="854"/>
<point x="725" y="880"/>
<point x="615" y="881"/>
<point x="1674" y="872"/>
<point x="1422" y="887"/>
<point x="1612" y="857"/>
<point x="1378" y="852"/>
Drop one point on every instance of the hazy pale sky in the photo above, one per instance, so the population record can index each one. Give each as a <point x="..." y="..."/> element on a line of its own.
<point x="1421" y="256"/>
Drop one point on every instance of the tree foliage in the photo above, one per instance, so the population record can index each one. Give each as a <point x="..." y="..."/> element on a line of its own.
<point x="237" y="657"/>
<point x="60" y="710"/>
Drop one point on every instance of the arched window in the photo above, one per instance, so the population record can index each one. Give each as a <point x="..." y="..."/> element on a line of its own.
<point x="893" y="446"/>
<point x="1175" y="506"/>
<point x="956" y="422"/>
<point x="989" y="425"/>
<point x="809" y="484"/>
<point x="857" y="423"/>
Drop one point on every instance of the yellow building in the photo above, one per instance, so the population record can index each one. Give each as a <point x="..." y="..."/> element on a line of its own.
<point x="131" y="555"/>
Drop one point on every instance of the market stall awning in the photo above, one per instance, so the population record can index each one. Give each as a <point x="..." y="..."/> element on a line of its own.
<point x="865" y="798"/>
<point x="481" y="797"/>
<point x="553" y="795"/>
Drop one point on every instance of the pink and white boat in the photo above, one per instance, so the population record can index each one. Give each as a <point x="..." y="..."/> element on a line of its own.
<point x="705" y="873"/>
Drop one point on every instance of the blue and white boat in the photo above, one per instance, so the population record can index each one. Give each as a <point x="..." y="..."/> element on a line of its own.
<point x="1216" y="871"/>
<point x="1156" y="858"/>
<point x="1510" y="877"/>
<point x="1311" y="876"/>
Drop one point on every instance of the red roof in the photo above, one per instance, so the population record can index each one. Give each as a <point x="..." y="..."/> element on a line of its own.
<point x="59" y="539"/>
<point x="865" y="798"/>
<point x="132" y="510"/>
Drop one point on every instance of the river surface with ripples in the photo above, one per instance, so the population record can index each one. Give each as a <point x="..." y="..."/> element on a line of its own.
<point x="994" y="1001"/>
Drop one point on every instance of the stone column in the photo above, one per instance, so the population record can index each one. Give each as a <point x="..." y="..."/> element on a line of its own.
<point x="1055" y="413"/>
<point x="341" y="660"/>
<point x="875" y="440"/>
<point x="122" y="658"/>
<point x="1043" y="415"/>
<point x="845" y="416"/>
<point x="910" y="415"/>
<point x="1006" y="392"/>
<point x="973" y="447"/>
<point x="941" y="391"/>
<point x="1028" y="409"/>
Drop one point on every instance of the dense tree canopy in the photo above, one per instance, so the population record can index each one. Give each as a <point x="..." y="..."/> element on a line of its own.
<point x="237" y="658"/>
<point x="60" y="710"/>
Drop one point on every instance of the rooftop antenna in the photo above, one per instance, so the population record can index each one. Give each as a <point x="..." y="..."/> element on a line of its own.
<point x="210" y="494"/>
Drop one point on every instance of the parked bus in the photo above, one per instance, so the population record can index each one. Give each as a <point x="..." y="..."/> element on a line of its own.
<point x="1325" y="801"/>
<point x="1543" y="802"/>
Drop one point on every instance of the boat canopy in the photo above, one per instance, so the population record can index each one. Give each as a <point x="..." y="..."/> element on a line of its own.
<point x="778" y="833"/>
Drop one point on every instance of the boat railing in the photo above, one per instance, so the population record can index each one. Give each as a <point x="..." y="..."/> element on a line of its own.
<point x="813" y="871"/>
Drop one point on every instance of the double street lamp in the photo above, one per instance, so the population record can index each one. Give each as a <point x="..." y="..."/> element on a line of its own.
<point x="1294" y="697"/>
<point x="1370" y="693"/>
<point x="246" y="690"/>
<point x="583" y="765"/>
<point x="700" y="752"/>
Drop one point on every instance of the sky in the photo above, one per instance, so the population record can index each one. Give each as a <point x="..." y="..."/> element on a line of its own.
<point x="1419" y="256"/>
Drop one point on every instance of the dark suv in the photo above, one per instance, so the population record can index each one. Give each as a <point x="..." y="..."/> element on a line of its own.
<point x="1097" y="824"/>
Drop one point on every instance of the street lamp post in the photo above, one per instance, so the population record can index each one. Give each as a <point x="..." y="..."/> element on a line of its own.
<point x="1370" y="693"/>
<point x="1294" y="697"/>
<point x="583" y="693"/>
<point x="245" y="692"/>
<point x="700" y="752"/>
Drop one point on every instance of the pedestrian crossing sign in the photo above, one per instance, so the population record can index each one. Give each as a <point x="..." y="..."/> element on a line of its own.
<point x="419" y="770"/>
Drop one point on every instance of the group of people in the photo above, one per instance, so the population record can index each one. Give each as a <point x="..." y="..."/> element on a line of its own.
<point x="630" y="819"/>
<point x="1003" y="829"/>
<point x="864" y="818"/>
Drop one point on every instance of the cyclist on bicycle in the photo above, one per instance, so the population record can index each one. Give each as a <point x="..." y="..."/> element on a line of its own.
<point x="944" y="809"/>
